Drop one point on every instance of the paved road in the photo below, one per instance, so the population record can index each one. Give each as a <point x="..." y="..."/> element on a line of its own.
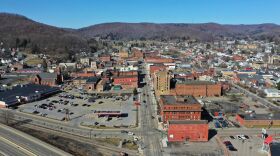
<point x="19" y="143"/>
<point x="19" y="118"/>
<point x="250" y="131"/>
<point x="151" y="137"/>
<point x="256" y="97"/>
<point x="8" y="148"/>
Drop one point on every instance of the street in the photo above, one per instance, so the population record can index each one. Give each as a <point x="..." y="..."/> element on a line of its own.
<point x="151" y="137"/>
<point x="256" y="97"/>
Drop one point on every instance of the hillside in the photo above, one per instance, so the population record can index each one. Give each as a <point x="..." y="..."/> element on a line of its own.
<point x="16" y="30"/>
<point x="205" y="31"/>
<point x="19" y="31"/>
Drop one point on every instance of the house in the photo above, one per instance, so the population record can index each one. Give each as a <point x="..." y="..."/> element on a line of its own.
<point x="123" y="54"/>
<point x="85" y="61"/>
<point x="272" y="93"/>
<point x="104" y="58"/>
<point x="91" y="83"/>
<point x="101" y="85"/>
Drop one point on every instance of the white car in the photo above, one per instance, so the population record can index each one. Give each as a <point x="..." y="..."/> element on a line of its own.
<point x="241" y="137"/>
<point x="130" y="133"/>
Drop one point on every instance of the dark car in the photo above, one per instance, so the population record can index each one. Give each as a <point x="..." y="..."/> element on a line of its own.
<point x="232" y="137"/>
<point x="229" y="146"/>
<point x="84" y="104"/>
<point x="246" y="136"/>
<point x="124" y="131"/>
<point x="144" y="101"/>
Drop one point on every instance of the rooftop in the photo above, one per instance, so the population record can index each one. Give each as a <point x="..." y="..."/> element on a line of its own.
<point x="25" y="90"/>
<point x="170" y="99"/>
<point x="260" y="116"/>
<point x="275" y="148"/>
<point x="188" y="122"/>
<point x="193" y="82"/>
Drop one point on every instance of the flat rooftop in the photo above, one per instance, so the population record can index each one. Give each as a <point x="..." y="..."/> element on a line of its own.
<point x="26" y="90"/>
<point x="260" y="116"/>
<point x="188" y="122"/>
<point x="194" y="82"/>
<point x="171" y="99"/>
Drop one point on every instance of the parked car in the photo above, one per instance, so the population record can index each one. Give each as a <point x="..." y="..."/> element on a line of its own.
<point x="241" y="137"/>
<point x="246" y="136"/>
<point x="130" y="133"/>
<point x="124" y="131"/>
<point x="229" y="146"/>
<point x="232" y="137"/>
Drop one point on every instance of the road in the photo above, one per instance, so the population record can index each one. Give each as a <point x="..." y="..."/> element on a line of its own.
<point x="18" y="143"/>
<point x="256" y="97"/>
<point x="148" y="124"/>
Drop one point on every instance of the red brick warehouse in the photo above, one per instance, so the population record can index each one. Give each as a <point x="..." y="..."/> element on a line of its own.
<point x="187" y="130"/>
<point x="179" y="108"/>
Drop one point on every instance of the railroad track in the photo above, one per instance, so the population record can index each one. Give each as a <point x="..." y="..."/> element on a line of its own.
<point x="106" y="149"/>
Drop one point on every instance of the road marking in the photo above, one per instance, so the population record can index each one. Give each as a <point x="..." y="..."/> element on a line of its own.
<point x="26" y="151"/>
<point x="2" y="153"/>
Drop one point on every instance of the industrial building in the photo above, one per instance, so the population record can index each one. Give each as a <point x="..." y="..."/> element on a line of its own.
<point x="258" y="120"/>
<point x="197" y="88"/>
<point x="187" y="130"/>
<point x="179" y="108"/>
<point x="25" y="93"/>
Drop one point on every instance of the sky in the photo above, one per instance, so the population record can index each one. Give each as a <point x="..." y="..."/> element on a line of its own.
<point x="82" y="13"/>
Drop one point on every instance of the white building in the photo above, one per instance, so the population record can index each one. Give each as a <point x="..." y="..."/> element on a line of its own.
<point x="273" y="93"/>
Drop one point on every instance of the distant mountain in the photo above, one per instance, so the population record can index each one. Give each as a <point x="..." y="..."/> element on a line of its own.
<point x="21" y="31"/>
<point x="17" y="30"/>
<point x="205" y="31"/>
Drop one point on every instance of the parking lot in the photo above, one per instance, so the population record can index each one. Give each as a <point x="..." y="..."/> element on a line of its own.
<point x="97" y="111"/>
<point x="249" y="146"/>
<point x="194" y="149"/>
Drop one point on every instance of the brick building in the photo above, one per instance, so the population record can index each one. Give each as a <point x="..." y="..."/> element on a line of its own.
<point x="126" y="81"/>
<point x="156" y="67"/>
<point x="258" y="120"/>
<point x="137" y="53"/>
<point x="104" y="58"/>
<point x="187" y="130"/>
<point x="123" y="54"/>
<point x="48" y="79"/>
<point x="156" y="59"/>
<point x="197" y="88"/>
<point x="83" y="74"/>
<point x="179" y="108"/>
<point x="161" y="83"/>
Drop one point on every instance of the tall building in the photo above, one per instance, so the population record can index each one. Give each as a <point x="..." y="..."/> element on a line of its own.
<point x="179" y="108"/>
<point x="162" y="82"/>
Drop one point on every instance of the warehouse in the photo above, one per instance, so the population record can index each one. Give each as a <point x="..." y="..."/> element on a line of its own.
<point x="258" y="120"/>
<point x="187" y="130"/>
<point x="25" y="93"/>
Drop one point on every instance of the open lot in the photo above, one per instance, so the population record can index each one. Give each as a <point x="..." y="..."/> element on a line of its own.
<point x="210" y="148"/>
<point x="82" y="111"/>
